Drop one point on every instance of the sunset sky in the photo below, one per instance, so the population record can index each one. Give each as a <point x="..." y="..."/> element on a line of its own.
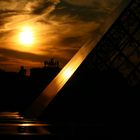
<point x="32" y="31"/>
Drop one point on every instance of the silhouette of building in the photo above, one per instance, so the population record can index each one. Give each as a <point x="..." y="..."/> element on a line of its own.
<point x="46" y="73"/>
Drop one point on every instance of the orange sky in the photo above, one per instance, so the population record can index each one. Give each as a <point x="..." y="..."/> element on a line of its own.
<point x="59" y="28"/>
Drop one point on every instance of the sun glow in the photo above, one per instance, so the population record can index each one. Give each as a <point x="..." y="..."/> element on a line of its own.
<point x="26" y="36"/>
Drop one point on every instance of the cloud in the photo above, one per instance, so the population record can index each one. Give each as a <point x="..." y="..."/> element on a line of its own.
<point x="41" y="6"/>
<point x="16" y="13"/>
<point x="3" y="58"/>
<point x="21" y="55"/>
<point x="12" y="4"/>
<point x="67" y="32"/>
<point x="64" y="35"/>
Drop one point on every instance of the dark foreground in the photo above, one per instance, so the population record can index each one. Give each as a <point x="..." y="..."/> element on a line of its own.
<point x="12" y="125"/>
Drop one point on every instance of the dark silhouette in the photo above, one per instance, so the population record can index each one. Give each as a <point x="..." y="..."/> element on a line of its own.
<point x="18" y="90"/>
<point x="51" y="63"/>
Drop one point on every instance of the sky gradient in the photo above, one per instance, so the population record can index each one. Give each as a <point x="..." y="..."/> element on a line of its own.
<point x="60" y="28"/>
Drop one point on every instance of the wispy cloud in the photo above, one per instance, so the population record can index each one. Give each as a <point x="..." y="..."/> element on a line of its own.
<point x="61" y="27"/>
<point x="14" y="12"/>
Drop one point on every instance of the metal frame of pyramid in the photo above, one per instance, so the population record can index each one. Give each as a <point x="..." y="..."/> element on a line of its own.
<point x="120" y="48"/>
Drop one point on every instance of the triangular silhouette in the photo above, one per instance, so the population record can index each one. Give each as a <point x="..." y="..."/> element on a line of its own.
<point x="98" y="54"/>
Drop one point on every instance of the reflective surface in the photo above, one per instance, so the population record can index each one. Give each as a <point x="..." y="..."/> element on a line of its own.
<point x="11" y="123"/>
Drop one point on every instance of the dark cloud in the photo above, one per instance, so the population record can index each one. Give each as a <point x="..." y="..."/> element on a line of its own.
<point x="4" y="33"/>
<point x="3" y="58"/>
<point x="41" y="8"/>
<point x="70" y="40"/>
<point x="20" y="55"/>
<point x="84" y="13"/>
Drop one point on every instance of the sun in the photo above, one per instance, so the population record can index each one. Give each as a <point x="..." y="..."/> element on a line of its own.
<point x="26" y="36"/>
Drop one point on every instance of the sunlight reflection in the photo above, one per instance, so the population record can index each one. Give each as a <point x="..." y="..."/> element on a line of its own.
<point x="67" y="73"/>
